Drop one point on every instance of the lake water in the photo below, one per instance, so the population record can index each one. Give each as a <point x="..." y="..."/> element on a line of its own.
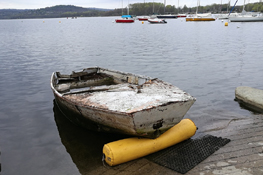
<point x="206" y="59"/>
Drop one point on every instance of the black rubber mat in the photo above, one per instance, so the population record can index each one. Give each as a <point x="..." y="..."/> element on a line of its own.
<point x="186" y="155"/>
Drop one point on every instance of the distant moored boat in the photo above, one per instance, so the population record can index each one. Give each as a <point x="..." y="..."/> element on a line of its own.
<point x="125" y="19"/>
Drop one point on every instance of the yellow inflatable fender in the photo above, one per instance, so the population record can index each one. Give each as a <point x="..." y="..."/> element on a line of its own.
<point x="132" y="148"/>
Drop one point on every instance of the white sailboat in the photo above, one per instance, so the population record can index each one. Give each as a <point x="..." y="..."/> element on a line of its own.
<point x="226" y="16"/>
<point x="125" y="18"/>
<point x="247" y="16"/>
<point x="200" y="17"/>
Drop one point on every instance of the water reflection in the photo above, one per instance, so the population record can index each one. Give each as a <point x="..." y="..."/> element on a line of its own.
<point x="84" y="146"/>
<point x="253" y="109"/>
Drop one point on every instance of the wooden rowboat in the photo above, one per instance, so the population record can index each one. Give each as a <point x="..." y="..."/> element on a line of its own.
<point x="113" y="101"/>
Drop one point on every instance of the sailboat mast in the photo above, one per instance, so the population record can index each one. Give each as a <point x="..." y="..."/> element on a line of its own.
<point x="164" y="7"/>
<point x="198" y="3"/>
<point x="178" y="6"/>
<point x="121" y="7"/>
<point x="128" y="7"/>
<point x="232" y="8"/>
<point x="228" y="5"/>
<point x="221" y="7"/>
<point x="144" y="7"/>
<point x="244" y="5"/>
<point x="153" y="6"/>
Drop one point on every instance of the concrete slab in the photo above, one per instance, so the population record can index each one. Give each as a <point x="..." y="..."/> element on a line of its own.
<point x="250" y="97"/>
<point x="242" y="156"/>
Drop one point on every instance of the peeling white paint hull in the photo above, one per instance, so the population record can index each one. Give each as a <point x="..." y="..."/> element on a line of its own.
<point x="112" y="101"/>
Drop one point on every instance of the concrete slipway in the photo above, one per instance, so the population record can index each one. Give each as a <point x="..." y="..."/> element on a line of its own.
<point x="242" y="156"/>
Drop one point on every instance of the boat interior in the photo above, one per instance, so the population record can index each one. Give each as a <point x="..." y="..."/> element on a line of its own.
<point x="87" y="79"/>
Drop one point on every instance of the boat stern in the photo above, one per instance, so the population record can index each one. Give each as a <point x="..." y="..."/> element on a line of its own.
<point x="153" y="122"/>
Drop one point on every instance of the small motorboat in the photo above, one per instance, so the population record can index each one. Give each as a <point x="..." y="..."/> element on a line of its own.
<point x="112" y="101"/>
<point x="144" y="18"/>
<point x="157" y="21"/>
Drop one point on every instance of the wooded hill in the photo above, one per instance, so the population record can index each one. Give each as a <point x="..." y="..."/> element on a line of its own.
<point x="58" y="11"/>
<point x="137" y="9"/>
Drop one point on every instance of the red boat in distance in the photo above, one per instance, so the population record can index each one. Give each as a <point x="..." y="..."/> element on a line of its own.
<point x="181" y="16"/>
<point x="125" y="19"/>
<point x="144" y="18"/>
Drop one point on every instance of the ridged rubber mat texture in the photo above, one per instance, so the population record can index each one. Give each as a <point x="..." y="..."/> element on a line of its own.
<point x="186" y="155"/>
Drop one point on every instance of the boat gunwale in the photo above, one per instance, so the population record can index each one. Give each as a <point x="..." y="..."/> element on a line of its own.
<point x="107" y="110"/>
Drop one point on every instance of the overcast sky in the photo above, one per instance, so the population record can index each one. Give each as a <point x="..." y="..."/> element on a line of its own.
<point x="110" y="4"/>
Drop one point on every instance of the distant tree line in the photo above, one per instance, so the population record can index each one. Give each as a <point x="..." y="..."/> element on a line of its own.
<point x="8" y="13"/>
<point x="150" y="8"/>
<point x="134" y="9"/>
